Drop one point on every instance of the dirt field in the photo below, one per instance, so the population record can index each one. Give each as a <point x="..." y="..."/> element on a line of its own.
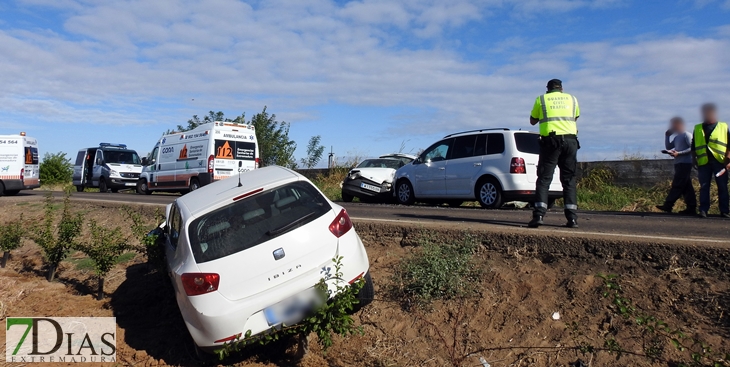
<point x="527" y="279"/>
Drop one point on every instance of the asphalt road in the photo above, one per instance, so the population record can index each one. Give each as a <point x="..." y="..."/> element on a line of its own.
<point x="642" y="227"/>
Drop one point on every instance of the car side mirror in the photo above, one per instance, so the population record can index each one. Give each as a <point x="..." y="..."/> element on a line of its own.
<point x="417" y="160"/>
<point x="144" y="161"/>
<point x="99" y="161"/>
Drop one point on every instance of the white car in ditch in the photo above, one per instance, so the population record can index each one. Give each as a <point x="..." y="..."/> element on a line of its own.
<point x="372" y="179"/>
<point x="244" y="254"/>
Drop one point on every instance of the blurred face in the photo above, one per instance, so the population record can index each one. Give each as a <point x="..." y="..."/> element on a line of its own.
<point x="677" y="125"/>
<point x="709" y="114"/>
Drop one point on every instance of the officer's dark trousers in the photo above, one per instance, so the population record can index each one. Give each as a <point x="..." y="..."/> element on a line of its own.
<point x="558" y="151"/>
<point x="706" y="173"/>
<point x="682" y="187"/>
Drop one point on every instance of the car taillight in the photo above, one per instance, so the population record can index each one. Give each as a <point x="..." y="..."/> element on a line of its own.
<point x="22" y="174"/>
<point x="211" y="161"/>
<point x="200" y="283"/>
<point x="258" y="163"/>
<point x="341" y="225"/>
<point x="517" y="166"/>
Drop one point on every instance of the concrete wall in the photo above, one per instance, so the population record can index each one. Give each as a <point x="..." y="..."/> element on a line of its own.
<point x="643" y="173"/>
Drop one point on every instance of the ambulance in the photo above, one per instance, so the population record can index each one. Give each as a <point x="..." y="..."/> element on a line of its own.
<point x="184" y="161"/>
<point x="19" y="169"/>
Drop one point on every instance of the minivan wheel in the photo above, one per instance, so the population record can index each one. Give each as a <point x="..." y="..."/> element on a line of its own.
<point x="102" y="186"/>
<point x="489" y="194"/>
<point x="79" y="188"/>
<point x="405" y="193"/>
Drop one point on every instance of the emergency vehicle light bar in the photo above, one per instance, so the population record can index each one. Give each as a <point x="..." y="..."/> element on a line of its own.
<point x="110" y="145"/>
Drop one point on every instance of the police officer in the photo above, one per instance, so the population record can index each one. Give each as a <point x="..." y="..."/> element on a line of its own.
<point x="557" y="113"/>
<point x="711" y="152"/>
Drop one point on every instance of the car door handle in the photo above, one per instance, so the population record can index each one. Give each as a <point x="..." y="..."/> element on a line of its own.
<point x="478" y="164"/>
<point x="442" y="168"/>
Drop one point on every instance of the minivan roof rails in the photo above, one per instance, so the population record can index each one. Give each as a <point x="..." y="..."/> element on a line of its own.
<point x="478" y="131"/>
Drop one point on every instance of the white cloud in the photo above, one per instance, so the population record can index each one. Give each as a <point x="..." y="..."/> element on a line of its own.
<point x="123" y="56"/>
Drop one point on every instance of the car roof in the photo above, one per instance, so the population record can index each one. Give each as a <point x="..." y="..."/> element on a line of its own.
<point x="213" y="195"/>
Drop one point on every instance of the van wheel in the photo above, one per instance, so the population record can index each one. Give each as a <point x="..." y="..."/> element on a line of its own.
<point x="115" y="190"/>
<point x="79" y="188"/>
<point x="102" y="186"/>
<point x="142" y="188"/>
<point x="194" y="185"/>
<point x="489" y="194"/>
<point x="405" y="193"/>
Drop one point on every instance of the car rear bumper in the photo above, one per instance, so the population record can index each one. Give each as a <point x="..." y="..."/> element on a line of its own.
<point x="528" y="195"/>
<point x="212" y="317"/>
<point x="354" y="188"/>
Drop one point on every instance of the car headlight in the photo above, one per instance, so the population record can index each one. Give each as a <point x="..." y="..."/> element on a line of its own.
<point x="113" y="173"/>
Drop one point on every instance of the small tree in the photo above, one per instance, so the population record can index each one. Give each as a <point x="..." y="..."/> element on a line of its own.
<point x="314" y="152"/>
<point x="10" y="235"/>
<point x="56" y="169"/>
<point x="56" y="242"/>
<point x="103" y="246"/>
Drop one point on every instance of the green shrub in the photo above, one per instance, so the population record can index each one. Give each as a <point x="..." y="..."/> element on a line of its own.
<point x="56" y="242"/>
<point x="437" y="270"/>
<point x="104" y="246"/>
<point x="56" y="169"/>
<point x="10" y="235"/>
<point x="148" y="244"/>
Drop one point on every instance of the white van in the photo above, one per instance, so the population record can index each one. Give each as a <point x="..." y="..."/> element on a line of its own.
<point x="108" y="167"/>
<point x="19" y="169"/>
<point x="183" y="162"/>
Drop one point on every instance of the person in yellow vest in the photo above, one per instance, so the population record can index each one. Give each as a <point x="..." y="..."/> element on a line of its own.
<point x="557" y="113"/>
<point x="711" y="155"/>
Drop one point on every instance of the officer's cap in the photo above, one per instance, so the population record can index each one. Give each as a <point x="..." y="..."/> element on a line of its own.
<point x="554" y="84"/>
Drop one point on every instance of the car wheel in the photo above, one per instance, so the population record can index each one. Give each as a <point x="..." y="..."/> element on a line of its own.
<point x="366" y="294"/>
<point x="489" y="194"/>
<point x="454" y="203"/>
<point x="194" y="185"/>
<point x="11" y="192"/>
<point x="347" y="197"/>
<point x="79" y="188"/>
<point x="102" y="186"/>
<point x="142" y="187"/>
<point x="405" y="193"/>
<point x="115" y="190"/>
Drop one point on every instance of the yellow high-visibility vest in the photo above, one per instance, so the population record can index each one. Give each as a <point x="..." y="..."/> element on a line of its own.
<point x="717" y="144"/>
<point x="558" y="112"/>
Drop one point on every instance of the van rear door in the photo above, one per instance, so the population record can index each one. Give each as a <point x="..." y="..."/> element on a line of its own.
<point x="231" y="148"/>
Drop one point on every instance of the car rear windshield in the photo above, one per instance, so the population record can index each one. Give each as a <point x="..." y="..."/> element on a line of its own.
<point x="381" y="163"/>
<point x="254" y="220"/>
<point x="528" y="143"/>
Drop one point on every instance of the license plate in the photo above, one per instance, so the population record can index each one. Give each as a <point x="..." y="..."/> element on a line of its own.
<point x="370" y="187"/>
<point x="131" y="184"/>
<point x="292" y="309"/>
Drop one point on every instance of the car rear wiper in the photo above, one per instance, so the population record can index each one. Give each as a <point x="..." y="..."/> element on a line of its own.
<point x="287" y="227"/>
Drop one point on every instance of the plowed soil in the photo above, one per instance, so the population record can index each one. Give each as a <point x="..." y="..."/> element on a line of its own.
<point x="510" y="322"/>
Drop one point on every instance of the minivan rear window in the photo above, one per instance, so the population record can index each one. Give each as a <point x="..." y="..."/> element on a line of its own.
<point x="528" y="143"/>
<point x="255" y="220"/>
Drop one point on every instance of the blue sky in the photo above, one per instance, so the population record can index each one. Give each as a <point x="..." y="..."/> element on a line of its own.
<point x="365" y="75"/>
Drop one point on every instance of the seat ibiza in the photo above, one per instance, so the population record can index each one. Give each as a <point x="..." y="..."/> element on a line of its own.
<point x="244" y="254"/>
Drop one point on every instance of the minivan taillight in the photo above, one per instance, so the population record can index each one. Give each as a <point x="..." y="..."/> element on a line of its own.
<point x="341" y="225"/>
<point x="22" y="174"/>
<point x="258" y="163"/>
<point x="196" y="284"/>
<point x="517" y="166"/>
<point x="211" y="162"/>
